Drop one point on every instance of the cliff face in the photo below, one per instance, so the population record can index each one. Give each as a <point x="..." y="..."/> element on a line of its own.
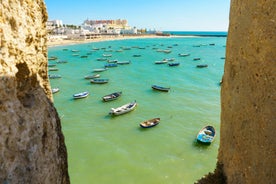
<point x="247" y="152"/>
<point x="32" y="148"/>
<point x="248" y="119"/>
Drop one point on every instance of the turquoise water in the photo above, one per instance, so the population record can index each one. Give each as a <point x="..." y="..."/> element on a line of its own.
<point x="104" y="149"/>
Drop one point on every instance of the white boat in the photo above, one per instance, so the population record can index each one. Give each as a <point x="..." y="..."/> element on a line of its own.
<point x="107" y="55"/>
<point x="183" y="55"/>
<point x="55" y="90"/>
<point x="161" y="62"/>
<point x="123" y="109"/>
<point x="81" y="95"/>
<point x="92" y="76"/>
<point x="123" y="62"/>
<point x="100" y="69"/>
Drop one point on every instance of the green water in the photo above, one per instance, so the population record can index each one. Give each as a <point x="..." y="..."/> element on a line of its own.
<point x="103" y="149"/>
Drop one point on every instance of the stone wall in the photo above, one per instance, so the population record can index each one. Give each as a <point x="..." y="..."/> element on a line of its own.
<point x="247" y="153"/>
<point x="32" y="148"/>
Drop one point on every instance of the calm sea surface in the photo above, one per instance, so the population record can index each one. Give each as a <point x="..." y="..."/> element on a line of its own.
<point x="115" y="150"/>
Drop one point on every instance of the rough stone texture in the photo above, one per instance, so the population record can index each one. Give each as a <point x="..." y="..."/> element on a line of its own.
<point x="32" y="148"/>
<point x="247" y="153"/>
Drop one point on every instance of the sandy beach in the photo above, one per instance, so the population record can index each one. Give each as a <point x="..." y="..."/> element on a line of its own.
<point x="60" y="42"/>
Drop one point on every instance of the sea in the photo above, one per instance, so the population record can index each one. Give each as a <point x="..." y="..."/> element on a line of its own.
<point x="104" y="149"/>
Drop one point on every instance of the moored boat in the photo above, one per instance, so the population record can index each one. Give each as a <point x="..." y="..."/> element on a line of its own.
<point x="150" y="123"/>
<point x="100" y="69"/>
<point x="160" y="88"/>
<point x="53" y="76"/>
<point x="206" y="135"/>
<point x="123" y="62"/>
<point x="99" y="81"/>
<point x="161" y="62"/>
<point x="112" y="96"/>
<point x="110" y="65"/>
<point x="81" y="95"/>
<point x="123" y="109"/>
<point x="53" y="69"/>
<point x="174" y="64"/>
<point x="55" y="90"/>
<point x="183" y="55"/>
<point x="92" y="76"/>
<point x="202" y="66"/>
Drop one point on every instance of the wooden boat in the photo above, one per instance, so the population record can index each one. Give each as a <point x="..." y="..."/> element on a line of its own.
<point x="99" y="81"/>
<point x="150" y="123"/>
<point x="92" y="76"/>
<point x="112" y="96"/>
<point x="123" y="62"/>
<point x="161" y="62"/>
<point x="167" y="51"/>
<point x="183" y="55"/>
<point x="55" y="90"/>
<point x="202" y="66"/>
<point x="100" y="69"/>
<point x="52" y="76"/>
<point x="81" y="95"/>
<point x="174" y="64"/>
<point x="123" y="109"/>
<point x="160" y="88"/>
<point x="206" y="135"/>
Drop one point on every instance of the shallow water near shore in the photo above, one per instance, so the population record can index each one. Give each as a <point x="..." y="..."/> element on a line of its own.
<point x="104" y="149"/>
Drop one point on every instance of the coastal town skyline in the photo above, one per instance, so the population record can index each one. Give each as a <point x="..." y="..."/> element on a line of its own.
<point x="174" y="15"/>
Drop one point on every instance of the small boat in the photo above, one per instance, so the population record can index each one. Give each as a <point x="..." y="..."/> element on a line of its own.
<point x="174" y="64"/>
<point x="55" y="90"/>
<point x="99" y="81"/>
<point x="110" y="65"/>
<point x="202" y="66"/>
<point x="123" y="109"/>
<point x="137" y="55"/>
<point x="52" y="65"/>
<point x="113" y="61"/>
<point x="196" y="59"/>
<point x="150" y="123"/>
<point x="170" y="59"/>
<point x="167" y="51"/>
<point x="100" y="69"/>
<point x="112" y="96"/>
<point x="75" y="50"/>
<point x="161" y="62"/>
<point x="101" y="59"/>
<point x="123" y="62"/>
<point x="61" y="62"/>
<point x="206" y="135"/>
<point x="81" y="95"/>
<point x="160" y="88"/>
<point x="53" y="69"/>
<point x="107" y="55"/>
<point x="52" y="58"/>
<point x="54" y="76"/>
<point x="92" y="76"/>
<point x="84" y="56"/>
<point x="183" y="55"/>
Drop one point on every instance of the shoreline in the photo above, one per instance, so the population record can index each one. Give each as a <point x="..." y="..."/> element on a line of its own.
<point x="65" y="42"/>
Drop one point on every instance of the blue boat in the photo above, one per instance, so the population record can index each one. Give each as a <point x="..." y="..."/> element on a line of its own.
<point x="99" y="81"/>
<point x="81" y="95"/>
<point x="206" y="135"/>
<point x="110" y="65"/>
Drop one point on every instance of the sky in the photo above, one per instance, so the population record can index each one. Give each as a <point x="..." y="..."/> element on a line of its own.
<point x="162" y="15"/>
